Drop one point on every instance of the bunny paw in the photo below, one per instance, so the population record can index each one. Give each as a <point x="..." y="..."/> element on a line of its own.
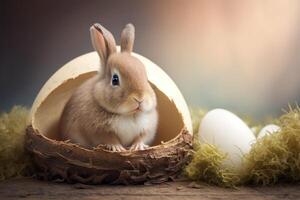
<point x="138" y="146"/>
<point x="115" y="147"/>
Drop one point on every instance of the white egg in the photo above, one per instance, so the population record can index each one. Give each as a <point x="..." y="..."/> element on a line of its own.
<point x="227" y="132"/>
<point x="268" y="129"/>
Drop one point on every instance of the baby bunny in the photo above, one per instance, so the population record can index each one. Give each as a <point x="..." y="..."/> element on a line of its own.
<point x="117" y="107"/>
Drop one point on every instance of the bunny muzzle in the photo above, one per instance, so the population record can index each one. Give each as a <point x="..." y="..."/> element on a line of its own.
<point x="136" y="103"/>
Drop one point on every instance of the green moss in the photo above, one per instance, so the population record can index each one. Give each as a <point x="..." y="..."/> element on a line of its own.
<point x="272" y="159"/>
<point x="13" y="159"/>
<point x="197" y="114"/>
<point x="276" y="157"/>
<point x="207" y="166"/>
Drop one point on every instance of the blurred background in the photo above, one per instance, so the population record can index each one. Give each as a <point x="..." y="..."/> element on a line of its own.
<point x="238" y="55"/>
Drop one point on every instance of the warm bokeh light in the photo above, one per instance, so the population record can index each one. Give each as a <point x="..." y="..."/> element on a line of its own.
<point x="238" y="55"/>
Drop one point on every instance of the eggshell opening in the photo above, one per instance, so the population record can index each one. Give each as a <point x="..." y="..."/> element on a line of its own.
<point x="49" y="104"/>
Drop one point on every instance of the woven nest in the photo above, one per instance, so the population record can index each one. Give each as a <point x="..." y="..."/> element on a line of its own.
<point x="57" y="160"/>
<point x="65" y="161"/>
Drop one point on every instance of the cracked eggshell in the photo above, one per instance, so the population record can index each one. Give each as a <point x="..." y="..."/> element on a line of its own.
<point x="48" y="106"/>
<point x="72" y="163"/>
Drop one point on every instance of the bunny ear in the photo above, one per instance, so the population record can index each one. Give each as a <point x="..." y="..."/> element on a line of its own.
<point x="127" y="38"/>
<point x="103" y="42"/>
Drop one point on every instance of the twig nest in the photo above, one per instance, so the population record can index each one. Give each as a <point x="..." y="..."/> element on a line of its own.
<point x="62" y="160"/>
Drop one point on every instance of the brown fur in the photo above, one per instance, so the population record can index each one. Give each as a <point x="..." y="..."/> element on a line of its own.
<point x="89" y="114"/>
<point x="127" y="38"/>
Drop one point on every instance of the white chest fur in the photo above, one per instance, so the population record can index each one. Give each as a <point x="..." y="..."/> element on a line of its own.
<point x="129" y="127"/>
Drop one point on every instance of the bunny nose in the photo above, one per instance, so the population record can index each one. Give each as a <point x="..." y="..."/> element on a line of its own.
<point x="138" y="100"/>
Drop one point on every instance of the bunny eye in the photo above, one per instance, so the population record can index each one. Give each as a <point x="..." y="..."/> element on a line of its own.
<point x="115" y="80"/>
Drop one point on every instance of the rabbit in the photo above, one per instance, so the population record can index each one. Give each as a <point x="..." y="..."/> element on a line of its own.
<point x="117" y="108"/>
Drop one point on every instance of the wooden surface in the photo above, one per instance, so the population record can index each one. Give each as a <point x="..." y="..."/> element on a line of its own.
<point x="27" y="188"/>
